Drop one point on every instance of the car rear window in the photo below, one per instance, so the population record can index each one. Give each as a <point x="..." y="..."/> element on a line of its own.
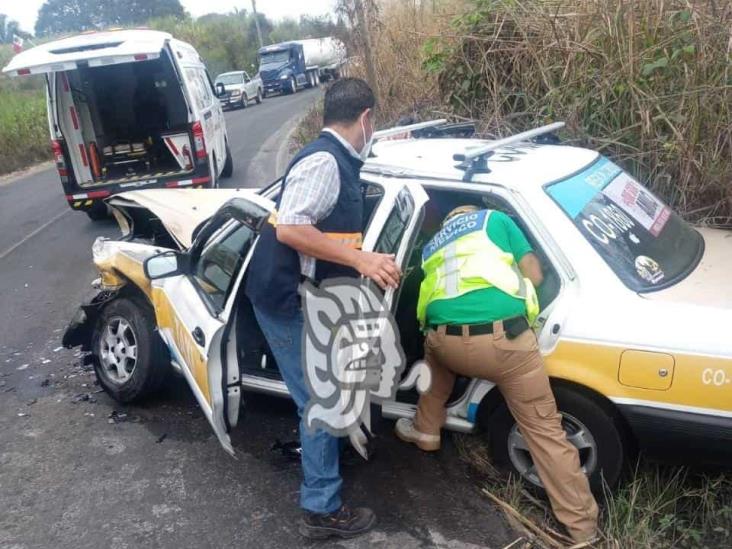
<point x="646" y="244"/>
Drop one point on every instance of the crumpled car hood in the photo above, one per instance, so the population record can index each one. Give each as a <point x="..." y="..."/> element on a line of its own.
<point x="180" y="211"/>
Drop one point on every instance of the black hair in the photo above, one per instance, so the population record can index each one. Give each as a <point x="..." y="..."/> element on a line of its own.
<point x="345" y="100"/>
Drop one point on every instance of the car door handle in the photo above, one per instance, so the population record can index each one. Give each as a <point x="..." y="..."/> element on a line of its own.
<point x="199" y="337"/>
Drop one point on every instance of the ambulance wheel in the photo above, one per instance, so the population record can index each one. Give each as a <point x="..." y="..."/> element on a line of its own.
<point x="215" y="174"/>
<point x="592" y="425"/>
<point x="130" y="360"/>
<point x="228" y="164"/>
<point x="98" y="212"/>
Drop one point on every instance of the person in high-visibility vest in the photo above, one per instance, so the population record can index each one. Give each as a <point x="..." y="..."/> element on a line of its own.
<point x="477" y="304"/>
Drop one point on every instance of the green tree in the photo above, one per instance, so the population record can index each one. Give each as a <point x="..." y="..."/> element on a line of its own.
<point x="60" y="16"/>
<point x="8" y="28"/>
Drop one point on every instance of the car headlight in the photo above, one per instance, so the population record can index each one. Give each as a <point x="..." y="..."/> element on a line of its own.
<point x="100" y="250"/>
<point x="283" y="77"/>
<point x="235" y="93"/>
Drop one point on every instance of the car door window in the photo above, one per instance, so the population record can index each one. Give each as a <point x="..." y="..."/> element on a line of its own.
<point x="196" y="88"/>
<point x="216" y="266"/>
<point x="206" y="87"/>
<point x="396" y="223"/>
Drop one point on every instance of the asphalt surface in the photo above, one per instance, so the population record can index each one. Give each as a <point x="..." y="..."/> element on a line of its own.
<point x="79" y="470"/>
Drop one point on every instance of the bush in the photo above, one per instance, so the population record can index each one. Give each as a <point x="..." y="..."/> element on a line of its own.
<point x="23" y="129"/>
<point x="647" y="83"/>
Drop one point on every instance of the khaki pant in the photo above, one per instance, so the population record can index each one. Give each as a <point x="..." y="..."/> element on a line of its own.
<point x="516" y="367"/>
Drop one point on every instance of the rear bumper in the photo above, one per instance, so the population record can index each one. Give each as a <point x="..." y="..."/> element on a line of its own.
<point x="688" y="437"/>
<point x="85" y="198"/>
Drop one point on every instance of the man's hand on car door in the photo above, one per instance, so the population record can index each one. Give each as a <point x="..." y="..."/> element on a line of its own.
<point x="381" y="268"/>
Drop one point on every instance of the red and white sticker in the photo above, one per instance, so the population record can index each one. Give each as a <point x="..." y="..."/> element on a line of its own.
<point x="638" y="202"/>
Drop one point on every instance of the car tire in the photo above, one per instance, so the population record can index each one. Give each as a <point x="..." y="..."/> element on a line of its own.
<point x="293" y="85"/>
<point x="98" y="212"/>
<point x="260" y="96"/>
<point x="244" y="101"/>
<point x="214" y="174"/>
<point x="228" y="164"/>
<point x="589" y="422"/>
<point x="130" y="322"/>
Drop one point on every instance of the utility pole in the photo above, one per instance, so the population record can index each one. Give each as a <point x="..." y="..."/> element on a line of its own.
<point x="256" y="22"/>
<point x="366" y="41"/>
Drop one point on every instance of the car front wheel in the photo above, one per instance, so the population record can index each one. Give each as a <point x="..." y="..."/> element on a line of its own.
<point x="591" y="426"/>
<point x="130" y="360"/>
<point x="259" y="97"/>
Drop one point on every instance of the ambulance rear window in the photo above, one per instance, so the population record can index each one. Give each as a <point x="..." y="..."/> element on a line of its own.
<point x="645" y="243"/>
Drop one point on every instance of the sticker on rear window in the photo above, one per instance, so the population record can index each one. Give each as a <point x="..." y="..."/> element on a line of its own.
<point x="640" y="204"/>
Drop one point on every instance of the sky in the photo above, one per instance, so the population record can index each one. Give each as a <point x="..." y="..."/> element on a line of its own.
<point x="25" y="11"/>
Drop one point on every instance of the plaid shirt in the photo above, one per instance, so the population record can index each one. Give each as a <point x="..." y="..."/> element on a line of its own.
<point x="311" y="193"/>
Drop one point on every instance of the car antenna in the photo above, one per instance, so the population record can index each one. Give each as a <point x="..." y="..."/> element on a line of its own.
<point x="475" y="160"/>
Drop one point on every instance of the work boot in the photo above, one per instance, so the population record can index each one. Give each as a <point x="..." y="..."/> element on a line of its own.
<point x="343" y="523"/>
<point x="406" y="431"/>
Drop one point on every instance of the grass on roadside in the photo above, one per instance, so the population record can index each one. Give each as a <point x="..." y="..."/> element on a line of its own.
<point x="658" y="507"/>
<point x="23" y="129"/>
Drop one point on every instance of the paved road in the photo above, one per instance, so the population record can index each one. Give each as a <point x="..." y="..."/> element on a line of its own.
<point x="79" y="470"/>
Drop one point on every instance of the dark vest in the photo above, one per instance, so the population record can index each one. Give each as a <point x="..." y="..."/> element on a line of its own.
<point x="273" y="274"/>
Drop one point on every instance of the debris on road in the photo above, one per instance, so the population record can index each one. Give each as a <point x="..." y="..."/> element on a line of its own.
<point x="22" y="366"/>
<point x="161" y="438"/>
<point x="84" y="397"/>
<point x="31" y="402"/>
<point x="118" y="416"/>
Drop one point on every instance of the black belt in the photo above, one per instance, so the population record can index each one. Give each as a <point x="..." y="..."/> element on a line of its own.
<point x="513" y="327"/>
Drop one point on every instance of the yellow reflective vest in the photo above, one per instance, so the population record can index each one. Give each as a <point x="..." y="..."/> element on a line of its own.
<point x="461" y="258"/>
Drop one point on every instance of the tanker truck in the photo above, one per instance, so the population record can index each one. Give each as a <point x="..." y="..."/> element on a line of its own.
<point x="289" y="66"/>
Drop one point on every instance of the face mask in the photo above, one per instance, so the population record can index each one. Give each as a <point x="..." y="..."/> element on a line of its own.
<point x="366" y="151"/>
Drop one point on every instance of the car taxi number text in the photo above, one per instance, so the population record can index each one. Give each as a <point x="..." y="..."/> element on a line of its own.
<point x="718" y="378"/>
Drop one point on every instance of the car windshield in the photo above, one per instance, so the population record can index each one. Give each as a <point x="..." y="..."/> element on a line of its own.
<point x="226" y="79"/>
<point x="647" y="245"/>
<point x="274" y="57"/>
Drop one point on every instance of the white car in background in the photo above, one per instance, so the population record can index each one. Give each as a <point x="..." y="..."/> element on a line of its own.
<point x="236" y="89"/>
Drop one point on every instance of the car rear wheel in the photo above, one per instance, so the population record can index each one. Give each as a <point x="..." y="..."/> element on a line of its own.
<point x="130" y="360"/>
<point x="98" y="212"/>
<point x="592" y="426"/>
<point x="259" y="97"/>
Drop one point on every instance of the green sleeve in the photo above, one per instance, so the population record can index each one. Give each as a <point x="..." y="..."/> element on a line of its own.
<point x="515" y="239"/>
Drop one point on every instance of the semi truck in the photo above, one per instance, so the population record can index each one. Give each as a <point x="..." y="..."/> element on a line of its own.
<point x="289" y="66"/>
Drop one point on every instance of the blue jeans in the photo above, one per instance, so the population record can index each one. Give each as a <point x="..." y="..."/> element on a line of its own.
<point x="321" y="486"/>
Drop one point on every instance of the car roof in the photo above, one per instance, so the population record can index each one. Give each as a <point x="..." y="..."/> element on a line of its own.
<point x="63" y="54"/>
<point x="231" y="72"/>
<point x="512" y="166"/>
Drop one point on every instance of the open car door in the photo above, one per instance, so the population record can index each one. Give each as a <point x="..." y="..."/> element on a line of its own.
<point x="193" y="304"/>
<point x="392" y="230"/>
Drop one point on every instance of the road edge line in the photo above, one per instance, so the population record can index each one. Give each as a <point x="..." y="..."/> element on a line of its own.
<point x="30" y="235"/>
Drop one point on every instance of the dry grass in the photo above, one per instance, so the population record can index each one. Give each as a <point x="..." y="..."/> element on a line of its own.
<point x="648" y="83"/>
<point x="657" y="508"/>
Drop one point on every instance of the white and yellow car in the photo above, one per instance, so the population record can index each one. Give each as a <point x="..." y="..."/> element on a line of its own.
<point x="635" y="321"/>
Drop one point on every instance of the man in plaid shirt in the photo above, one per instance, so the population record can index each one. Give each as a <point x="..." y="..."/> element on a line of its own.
<point x="317" y="235"/>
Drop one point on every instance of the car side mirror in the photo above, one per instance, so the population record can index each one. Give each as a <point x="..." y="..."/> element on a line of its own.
<point x="219" y="89"/>
<point x="165" y="264"/>
<point x="247" y="80"/>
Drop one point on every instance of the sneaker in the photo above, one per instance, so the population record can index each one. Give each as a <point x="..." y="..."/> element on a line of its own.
<point x="343" y="523"/>
<point x="405" y="430"/>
